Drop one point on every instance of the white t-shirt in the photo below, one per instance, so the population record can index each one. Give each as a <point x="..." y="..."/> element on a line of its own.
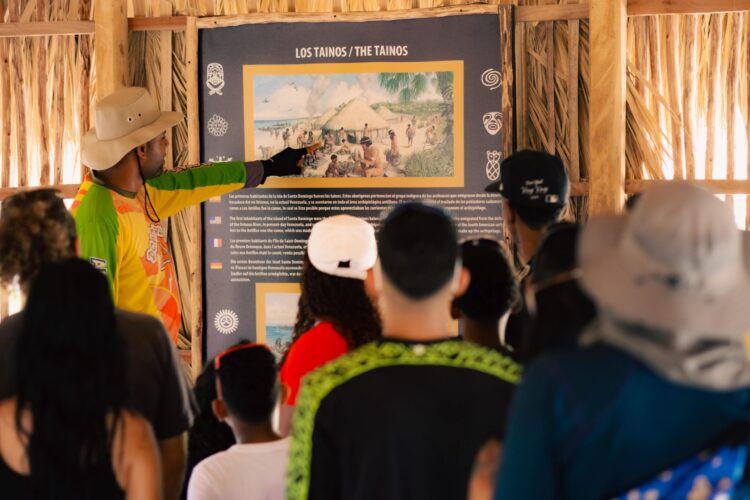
<point x="244" y="471"/>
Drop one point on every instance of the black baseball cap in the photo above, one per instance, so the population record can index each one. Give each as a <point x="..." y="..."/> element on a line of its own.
<point x="532" y="179"/>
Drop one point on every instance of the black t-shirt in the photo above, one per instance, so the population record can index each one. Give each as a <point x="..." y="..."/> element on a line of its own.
<point x="398" y="420"/>
<point x="158" y="389"/>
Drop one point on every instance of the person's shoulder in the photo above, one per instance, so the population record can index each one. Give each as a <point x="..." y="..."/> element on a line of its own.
<point x="11" y="325"/>
<point x="141" y="326"/>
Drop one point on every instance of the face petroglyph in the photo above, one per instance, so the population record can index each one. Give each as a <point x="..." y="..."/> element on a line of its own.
<point x="493" y="122"/>
<point x="215" y="78"/>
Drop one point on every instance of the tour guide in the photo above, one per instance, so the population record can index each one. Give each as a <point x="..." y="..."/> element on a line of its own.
<point x="121" y="203"/>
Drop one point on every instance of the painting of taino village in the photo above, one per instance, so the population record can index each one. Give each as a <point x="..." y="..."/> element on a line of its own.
<point x="370" y="124"/>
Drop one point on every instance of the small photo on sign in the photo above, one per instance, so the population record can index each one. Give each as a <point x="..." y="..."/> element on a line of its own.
<point x="378" y="124"/>
<point x="276" y="313"/>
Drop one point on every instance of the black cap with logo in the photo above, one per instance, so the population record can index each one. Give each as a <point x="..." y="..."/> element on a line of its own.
<point x="532" y="179"/>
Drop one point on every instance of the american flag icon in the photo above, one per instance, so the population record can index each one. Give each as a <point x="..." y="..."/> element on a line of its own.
<point x="216" y="219"/>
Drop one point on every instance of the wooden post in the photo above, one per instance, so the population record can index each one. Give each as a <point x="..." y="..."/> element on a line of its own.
<point x="164" y="8"/>
<point x="19" y="110"/>
<point x="44" y="108"/>
<point x="673" y="84"/>
<point x="5" y="106"/>
<point x="194" y="157"/>
<point x="607" y="105"/>
<point x="84" y="87"/>
<point x="689" y="35"/>
<point x="111" y="42"/>
<point x="520" y="85"/>
<point x="713" y="58"/>
<point x="549" y="29"/>
<point x="506" y="102"/>
<point x="730" y="87"/>
<point x="574" y="168"/>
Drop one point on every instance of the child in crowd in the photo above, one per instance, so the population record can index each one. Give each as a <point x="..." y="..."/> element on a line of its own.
<point x="247" y="387"/>
<point x="484" y="308"/>
<point x="335" y="315"/>
<point x="403" y="417"/>
<point x="208" y="435"/>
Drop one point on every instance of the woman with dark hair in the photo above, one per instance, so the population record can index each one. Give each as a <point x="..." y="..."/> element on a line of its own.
<point x="65" y="433"/>
<point x="334" y="314"/>
<point x="36" y="229"/>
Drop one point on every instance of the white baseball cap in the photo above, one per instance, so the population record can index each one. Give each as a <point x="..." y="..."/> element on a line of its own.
<point x="343" y="246"/>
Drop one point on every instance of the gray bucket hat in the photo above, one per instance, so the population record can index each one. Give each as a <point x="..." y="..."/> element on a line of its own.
<point x="677" y="262"/>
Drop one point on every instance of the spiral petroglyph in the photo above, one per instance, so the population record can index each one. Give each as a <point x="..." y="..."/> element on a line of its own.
<point x="491" y="78"/>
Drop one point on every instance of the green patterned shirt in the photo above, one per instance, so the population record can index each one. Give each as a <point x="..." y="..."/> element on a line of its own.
<point x="396" y="419"/>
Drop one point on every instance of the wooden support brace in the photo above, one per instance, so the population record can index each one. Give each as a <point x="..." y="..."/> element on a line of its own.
<point x="607" y="106"/>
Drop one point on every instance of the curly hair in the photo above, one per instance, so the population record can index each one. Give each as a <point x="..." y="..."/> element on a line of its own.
<point x="35" y="228"/>
<point x="341" y="301"/>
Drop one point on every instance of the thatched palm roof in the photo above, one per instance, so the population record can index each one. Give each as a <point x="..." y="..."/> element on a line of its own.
<point x="322" y="119"/>
<point x="354" y="115"/>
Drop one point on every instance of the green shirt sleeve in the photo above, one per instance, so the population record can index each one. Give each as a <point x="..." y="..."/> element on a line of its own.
<point x="174" y="191"/>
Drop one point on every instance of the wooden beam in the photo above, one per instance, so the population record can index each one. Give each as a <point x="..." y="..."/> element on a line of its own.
<point x="607" y="106"/>
<point x="164" y="23"/>
<point x="658" y="7"/>
<point x="193" y="158"/>
<point x="111" y="46"/>
<point x="242" y="19"/>
<point x="11" y="30"/>
<point x="536" y="13"/>
<point x="718" y="186"/>
<point x="66" y="190"/>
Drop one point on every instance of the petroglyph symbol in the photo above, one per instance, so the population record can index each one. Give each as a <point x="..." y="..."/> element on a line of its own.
<point x="215" y="78"/>
<point x="493" y="165"/>
<point x="493" y="122"/>
<point x="226" y="321"/>
<point x="217" y="126"/>
<point x="491" y="78"/>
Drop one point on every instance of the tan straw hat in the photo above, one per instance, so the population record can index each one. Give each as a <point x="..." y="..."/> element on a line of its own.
<point x="123" y="120"/>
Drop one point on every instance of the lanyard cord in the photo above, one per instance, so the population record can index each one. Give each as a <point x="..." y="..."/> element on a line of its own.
<point x="147" y="201"/>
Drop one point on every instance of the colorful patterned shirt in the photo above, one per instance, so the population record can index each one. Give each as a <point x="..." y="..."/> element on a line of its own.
<point x="117" y="236"/>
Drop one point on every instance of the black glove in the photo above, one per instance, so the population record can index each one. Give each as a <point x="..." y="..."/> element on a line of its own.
<point x="287" y="162"/>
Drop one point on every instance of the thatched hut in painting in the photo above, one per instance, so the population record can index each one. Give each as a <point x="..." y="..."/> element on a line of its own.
<point x="354" y="116"/>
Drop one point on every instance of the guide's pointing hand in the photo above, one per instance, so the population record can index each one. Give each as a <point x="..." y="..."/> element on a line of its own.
<point x="287" y="162"/>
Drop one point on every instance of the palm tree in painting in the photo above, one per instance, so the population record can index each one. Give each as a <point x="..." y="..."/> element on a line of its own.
<point x="409" y="86"/>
